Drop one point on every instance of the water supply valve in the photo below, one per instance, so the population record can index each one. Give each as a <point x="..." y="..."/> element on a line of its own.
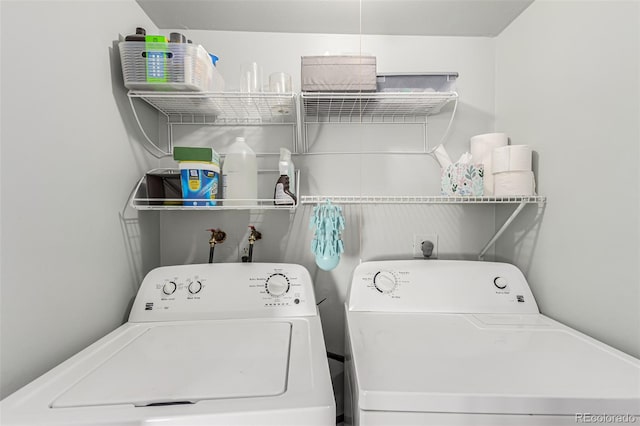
<point x="254" y="236"/>
<point x="217" y="237"/>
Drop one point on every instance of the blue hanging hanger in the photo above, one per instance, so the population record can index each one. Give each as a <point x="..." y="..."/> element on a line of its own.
<point x="326" y="244"/>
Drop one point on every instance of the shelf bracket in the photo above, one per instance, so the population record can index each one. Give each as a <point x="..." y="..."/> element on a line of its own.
<point x="156" y="151"/>
<point x="503" y="228"/>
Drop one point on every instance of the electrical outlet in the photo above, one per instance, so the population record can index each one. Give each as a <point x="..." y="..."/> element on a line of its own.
<point x="417" y="245"/>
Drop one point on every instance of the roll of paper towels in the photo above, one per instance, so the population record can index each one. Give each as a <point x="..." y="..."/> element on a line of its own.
<point x="514" y="183"/>
<point x="481" y="148"/>
<point x="511" y="158"/>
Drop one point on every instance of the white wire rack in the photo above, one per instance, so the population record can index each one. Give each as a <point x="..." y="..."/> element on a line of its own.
<point x="418" y="199"/>
<point x="222" y="107"/>
<point x="177" y="204"/>
<point x="263" y="109"/>
<point x="219" y="109"/>
<point x="384" y="107"/>
<point x="521" y="202"/>
<point x="373" y="108"/>
<point x="140" y="198"/>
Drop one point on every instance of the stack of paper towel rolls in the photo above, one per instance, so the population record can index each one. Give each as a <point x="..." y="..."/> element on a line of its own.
<point x="511" y="168"/>
<point x="481" y="148"/>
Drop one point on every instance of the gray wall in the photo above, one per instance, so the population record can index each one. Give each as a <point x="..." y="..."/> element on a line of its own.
<point x="72" y="256"/>
<point x="568" y="84"/>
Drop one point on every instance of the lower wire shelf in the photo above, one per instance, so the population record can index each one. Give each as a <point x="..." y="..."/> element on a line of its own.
<point x="152" y="196"/>
<point x="420" y="199"/>
<point x="160" y="189"/>
<point x="179" y="204"/>
<point x="520" y="201"/>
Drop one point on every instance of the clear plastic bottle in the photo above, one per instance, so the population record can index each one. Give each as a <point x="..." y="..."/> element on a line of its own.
<point x="240" y="175"/>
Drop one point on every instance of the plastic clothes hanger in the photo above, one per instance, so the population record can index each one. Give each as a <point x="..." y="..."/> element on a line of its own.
<point x="326" y="245"/>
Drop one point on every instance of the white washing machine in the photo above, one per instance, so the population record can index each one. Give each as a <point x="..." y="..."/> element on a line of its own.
<point x="463" y="343"/>
<point x="213" y="344"/>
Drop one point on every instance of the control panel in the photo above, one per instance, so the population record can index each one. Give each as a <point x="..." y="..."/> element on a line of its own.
<point x="224" y="290"/>
<point x="440" y="286"/>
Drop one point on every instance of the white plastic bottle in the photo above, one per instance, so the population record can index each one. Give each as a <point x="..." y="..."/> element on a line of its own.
<point x="282" y="194"/>
<point x="240" y="175"/>
<point x="285" y="162"/>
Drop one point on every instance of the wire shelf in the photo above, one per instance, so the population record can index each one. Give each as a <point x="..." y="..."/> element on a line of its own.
<point x="141" y="198"/>
<point x="177" y="204"/>
<point x="401" y="107"/>
<point x="222" y="108"/>
<point x="418" y="199"/>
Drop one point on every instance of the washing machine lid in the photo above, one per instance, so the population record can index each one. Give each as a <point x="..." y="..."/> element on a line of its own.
<point x="187" y="363"/>
<point x="503" y="363"/>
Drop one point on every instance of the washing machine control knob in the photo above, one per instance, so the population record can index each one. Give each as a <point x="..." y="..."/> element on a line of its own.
<point x="169" y="288"/>
<point x="500" y="282"/>
<point x="385" y="281"/>
<point x="277" y="285"/>
<point x="195" y="287"/>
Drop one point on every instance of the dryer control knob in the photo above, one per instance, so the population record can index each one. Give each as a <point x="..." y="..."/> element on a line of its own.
<point x="385" y="281"/>
<point x="500" y="282"/>
<point x="277" y="285"/>
<point x="169" y="288"/>
<point x="195" y="287"/>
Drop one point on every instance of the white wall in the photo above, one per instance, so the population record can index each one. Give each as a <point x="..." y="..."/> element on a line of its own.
<point x="70" y="156"/>
<point x="568" y="84"/>
<point x="373" y="232"/>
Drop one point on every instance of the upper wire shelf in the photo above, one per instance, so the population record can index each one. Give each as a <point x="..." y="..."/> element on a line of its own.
<point x="222" y="108"/>
<point x="382" y="107"/>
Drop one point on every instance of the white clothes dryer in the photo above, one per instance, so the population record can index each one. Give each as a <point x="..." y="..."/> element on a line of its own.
<point x="463" y="343"/>
<point x="213" y="344"/>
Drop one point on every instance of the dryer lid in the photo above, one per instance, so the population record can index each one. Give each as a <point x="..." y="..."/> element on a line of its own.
<point x="499" y="363"/>
<point x="187" y="363"/>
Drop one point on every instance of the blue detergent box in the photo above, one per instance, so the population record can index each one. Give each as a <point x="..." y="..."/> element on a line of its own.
<point x="200" y="182"/>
